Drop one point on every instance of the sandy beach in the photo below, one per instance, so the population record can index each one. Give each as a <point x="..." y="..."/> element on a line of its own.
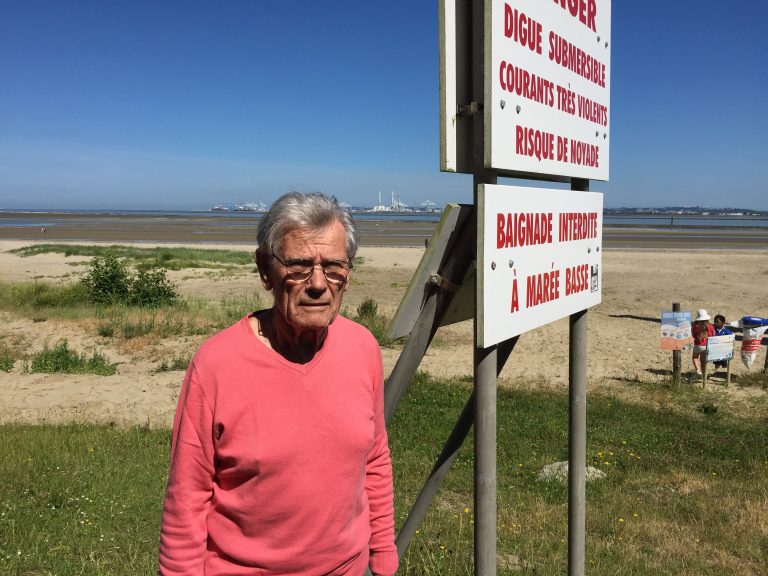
<point x="239" y="228"/>
<point x="623" y="342"/>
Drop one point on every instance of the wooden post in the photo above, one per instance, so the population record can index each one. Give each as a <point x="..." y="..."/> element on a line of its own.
<point x="446" y="458"/>
<point x="676" y="354"/>
<point x="728" y="373"/>
<point x="765" y="365"/>
<point x="703" y="360"/>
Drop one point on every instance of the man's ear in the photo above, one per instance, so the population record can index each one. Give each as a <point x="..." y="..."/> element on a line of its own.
<point x="262" y="263"/>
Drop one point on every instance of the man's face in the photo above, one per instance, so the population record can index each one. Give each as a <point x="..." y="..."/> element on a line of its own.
<point x="719" y="323"/>
<point x="310" y="305"/>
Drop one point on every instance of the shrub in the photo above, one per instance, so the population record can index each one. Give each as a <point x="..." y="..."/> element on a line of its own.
<point x="152" y="288"/>
<point x="61" y="359"/>
<point x="107" y="280"/>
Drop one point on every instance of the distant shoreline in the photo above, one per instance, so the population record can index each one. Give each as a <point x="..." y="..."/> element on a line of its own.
<point x="375" y="229"/>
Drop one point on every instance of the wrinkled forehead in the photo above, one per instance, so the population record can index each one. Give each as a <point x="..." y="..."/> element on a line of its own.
<point x="330" y="237"/>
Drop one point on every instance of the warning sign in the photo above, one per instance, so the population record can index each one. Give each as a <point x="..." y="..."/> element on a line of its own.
<point x="539" y="258"/>
<point x="547" y="100"/>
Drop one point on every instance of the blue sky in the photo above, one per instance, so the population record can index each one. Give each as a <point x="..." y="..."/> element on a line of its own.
<point x="186" y="104"/>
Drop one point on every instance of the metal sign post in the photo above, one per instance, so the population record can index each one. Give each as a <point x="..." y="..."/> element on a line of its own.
<point x="577" y="431"/>
<point x="525" y="93"/>
<point x="484" y="358"/>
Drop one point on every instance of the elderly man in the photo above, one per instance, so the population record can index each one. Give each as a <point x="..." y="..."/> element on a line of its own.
<point x="279" y="458"/>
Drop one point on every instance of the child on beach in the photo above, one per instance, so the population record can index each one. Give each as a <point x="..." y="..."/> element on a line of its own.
<point x="701" y="331"/>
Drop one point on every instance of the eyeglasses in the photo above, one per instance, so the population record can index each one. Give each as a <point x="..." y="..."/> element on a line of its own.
<point x="335" y="271"/>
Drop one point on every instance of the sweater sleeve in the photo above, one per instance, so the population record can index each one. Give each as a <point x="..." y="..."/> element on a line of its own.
<point x="183" y="532"/>
<point x="378" y="486"/>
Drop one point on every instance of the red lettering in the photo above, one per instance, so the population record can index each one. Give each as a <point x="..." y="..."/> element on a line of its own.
<point x="516" y="80"/>
<point x="576" y="279"/>
<point x="515" y="301"/>
<point x="522" y="29"/>
<point x="585" y="154"/>
<point x="541" y="288"/>
<point x="584" y="10"/>
<point x="534" y="143"/>
<point x="523" y="229"/>
<point x="577" y="226"/>
<point x="575" y="59"/>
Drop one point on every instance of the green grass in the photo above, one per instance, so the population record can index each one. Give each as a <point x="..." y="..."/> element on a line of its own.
<point x="685" y="493"/>
<point x="129" y="323"/>
<point x="6" y="362"/>
<point x="756" y="378"/>
<point x="39" y="296"/>
<point x="42" y="301"/>
<point x="169" y="258"/>
<point x="80" y="499"/>
<point x="195" y="318"/>
<point x="61" y="359"/>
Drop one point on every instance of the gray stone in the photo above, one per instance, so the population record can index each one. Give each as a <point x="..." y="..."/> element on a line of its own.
<point x="558" y="472"/>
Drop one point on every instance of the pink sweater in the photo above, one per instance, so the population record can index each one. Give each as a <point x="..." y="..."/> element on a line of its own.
<point x="280" y="468"/>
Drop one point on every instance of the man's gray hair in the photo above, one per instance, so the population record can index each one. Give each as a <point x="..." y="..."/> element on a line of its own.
<point x="313" y="211"/>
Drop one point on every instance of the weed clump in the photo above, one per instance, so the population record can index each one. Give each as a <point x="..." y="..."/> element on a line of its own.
<point x="178" y="363"/>
<point x="6" y="362"/>
<point x="61" y="359"/>
<point x="368" y="315"/>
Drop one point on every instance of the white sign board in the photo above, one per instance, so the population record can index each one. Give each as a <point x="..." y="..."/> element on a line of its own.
<point x="539" y="258"/>
<point x="455" y="78"/>
<point x="547" y="87"/>
<point x="720" y="348"/>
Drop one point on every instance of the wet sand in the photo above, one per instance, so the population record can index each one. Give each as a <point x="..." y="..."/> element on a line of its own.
<point x="210" y="229"/>
<point x="203" y="228"/>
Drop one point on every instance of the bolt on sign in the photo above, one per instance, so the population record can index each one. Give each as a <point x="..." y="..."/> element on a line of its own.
<point x="539" y="258"/>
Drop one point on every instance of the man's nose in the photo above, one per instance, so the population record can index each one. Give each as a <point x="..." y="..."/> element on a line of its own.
<point x="317" y="280"/>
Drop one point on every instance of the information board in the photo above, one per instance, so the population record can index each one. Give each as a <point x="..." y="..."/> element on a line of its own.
<point x="539" y="258"/>
<point x="720" y="348"/>
<point x="676" y="330"/>
<point x="547" y="87"/>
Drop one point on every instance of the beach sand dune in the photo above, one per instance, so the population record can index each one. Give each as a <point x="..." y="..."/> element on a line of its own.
<point x="623" y="332"/>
